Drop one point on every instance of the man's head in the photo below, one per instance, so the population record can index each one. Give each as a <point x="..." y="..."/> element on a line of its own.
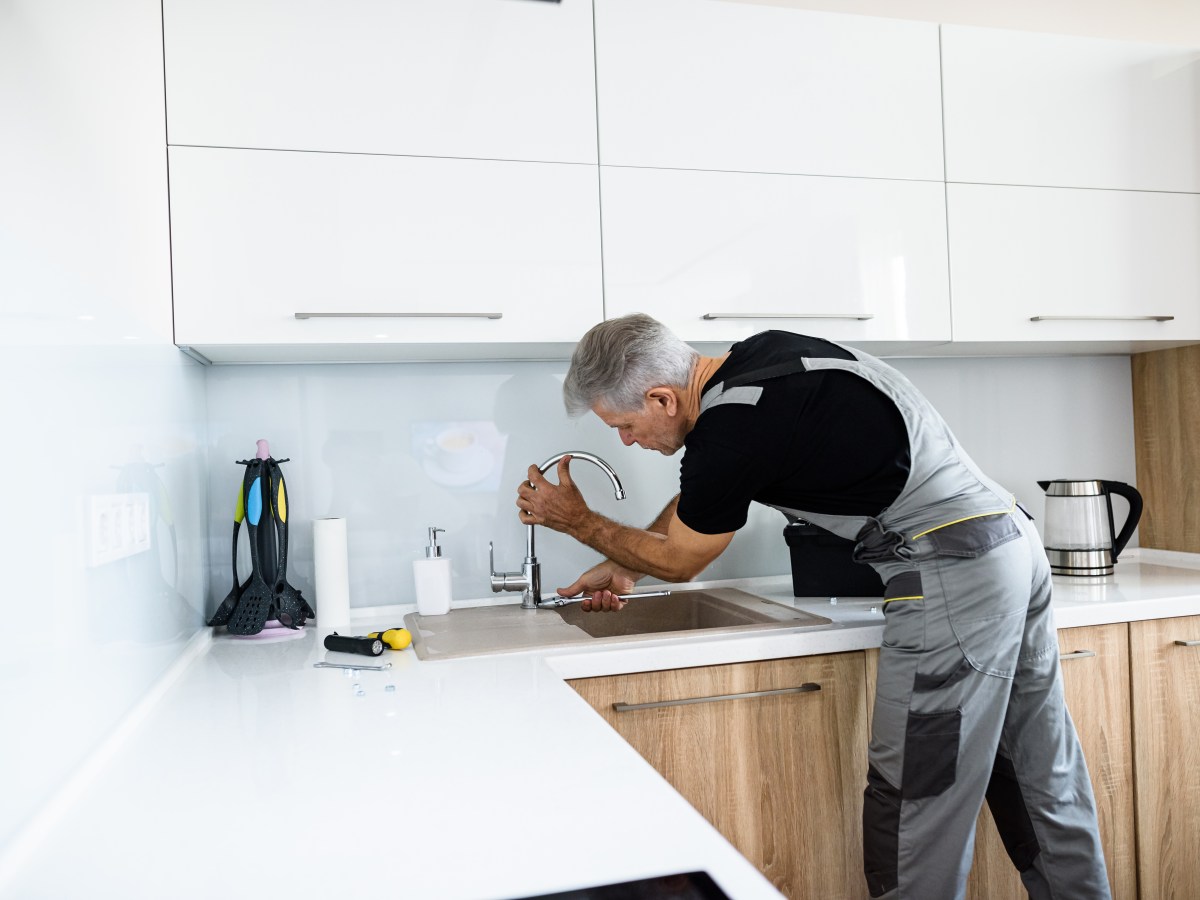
<point x="633" y="372"/>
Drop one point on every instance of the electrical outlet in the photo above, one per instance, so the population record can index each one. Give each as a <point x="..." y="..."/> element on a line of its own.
<point x="118" y="526"/>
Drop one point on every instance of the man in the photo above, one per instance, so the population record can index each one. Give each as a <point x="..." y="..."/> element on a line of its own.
<point x="969" y="699"/>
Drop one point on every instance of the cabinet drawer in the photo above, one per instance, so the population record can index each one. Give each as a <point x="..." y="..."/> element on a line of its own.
<point x="1086" y="265"/>
<point x="1042" y="109"/>
<point x="260" y="236"/>
<point x="719" y="256"/>
<point x="494" y="79"/>
<point x="745" y="87"/>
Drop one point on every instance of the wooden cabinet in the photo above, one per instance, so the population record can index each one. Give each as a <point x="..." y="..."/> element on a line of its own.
<point x="1165" y="661"/>
<point x="1054" y="110"/>
<point x="1095" y="671"/>
<point x="719" y="256"/>
<point x="472" y="78"/>
<point x="772" y="753"/>
<point x="477" y="257"/>
<point x="1033" y="264"/>
<point x="754" y="88"/>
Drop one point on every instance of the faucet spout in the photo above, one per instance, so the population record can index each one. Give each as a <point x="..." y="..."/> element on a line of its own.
<point x="529" y="580"/>
<point x="618" y="489"/>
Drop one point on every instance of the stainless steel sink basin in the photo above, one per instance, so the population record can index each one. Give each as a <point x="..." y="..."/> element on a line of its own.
<point x="502" y="629"/>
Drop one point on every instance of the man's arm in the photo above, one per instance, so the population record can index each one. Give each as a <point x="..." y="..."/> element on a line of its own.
<point x="674" y="553"/>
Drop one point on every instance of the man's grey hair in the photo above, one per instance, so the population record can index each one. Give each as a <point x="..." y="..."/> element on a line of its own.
<point x="618" y="361"/>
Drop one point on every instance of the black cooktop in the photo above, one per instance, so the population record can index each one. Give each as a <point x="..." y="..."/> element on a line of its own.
<point x="686" y="886"/>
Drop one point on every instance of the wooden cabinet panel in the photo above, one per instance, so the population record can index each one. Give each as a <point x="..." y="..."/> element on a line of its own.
<point x="472" y="78"/>
<point x="751" y="88"/>
<point x="1166" y="728"/>
<point x="1097" y="694"/>
<point x="780" y="776"/>
<point x="1066" y="111"/>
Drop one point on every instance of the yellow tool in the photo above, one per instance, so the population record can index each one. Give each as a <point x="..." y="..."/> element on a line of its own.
<point x="396" y="638"/>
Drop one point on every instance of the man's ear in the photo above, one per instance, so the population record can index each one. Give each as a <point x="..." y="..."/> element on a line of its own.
<point x="665" y="397"/>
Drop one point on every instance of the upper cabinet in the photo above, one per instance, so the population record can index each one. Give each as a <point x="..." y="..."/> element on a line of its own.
<point x="719" y="256"/>
<point x="488" y="79"/>
<point x="1049" y="110"/>
<point x="329" y="256"/>
<point x="740" y="87"/>
<point x="1036" y="264"/>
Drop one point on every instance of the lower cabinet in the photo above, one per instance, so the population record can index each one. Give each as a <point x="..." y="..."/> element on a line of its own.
<point x="1095" y="670"/>
<point x="773" y="753"/>
<point x="1165" y="660"/>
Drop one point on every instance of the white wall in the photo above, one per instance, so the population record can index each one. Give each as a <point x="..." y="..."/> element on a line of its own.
<point x="1155" y="21"/>
<point x="94" y="397"/>
<point x="359" y="438"/>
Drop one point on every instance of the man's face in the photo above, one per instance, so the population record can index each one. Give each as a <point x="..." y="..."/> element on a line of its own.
<point x="654" y="427"/>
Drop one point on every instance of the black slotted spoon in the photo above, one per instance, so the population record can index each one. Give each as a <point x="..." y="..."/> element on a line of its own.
<point x="256" y="603"/>
<point x="225" y="610"/>
<point x="294" y="611"/>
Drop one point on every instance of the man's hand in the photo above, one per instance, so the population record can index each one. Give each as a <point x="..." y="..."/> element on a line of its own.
<point x="559" y="506"/>
<point x="603" y="582"/>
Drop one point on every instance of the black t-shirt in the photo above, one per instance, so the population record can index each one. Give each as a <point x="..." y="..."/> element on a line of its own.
<point x="823" y="441"/>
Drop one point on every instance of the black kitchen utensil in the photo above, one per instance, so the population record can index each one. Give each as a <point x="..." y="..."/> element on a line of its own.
<point x="294" y="611"/>
<point x="257" y="602"/>
<point x="225" y="610"/>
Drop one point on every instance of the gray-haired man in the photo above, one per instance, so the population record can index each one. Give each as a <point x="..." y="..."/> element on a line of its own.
<point x="969" y="700"/>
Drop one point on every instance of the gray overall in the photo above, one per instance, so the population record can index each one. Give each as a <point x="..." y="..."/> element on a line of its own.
<point x="969" y="700"/>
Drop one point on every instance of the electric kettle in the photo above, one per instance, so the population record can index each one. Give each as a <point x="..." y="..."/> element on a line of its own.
<point x="1079" y="530"/>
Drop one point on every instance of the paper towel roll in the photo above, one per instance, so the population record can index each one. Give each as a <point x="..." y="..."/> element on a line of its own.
<point x="331" y="573"/>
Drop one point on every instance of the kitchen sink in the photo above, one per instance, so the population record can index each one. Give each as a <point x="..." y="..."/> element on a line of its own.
<point x="500" y="629"/>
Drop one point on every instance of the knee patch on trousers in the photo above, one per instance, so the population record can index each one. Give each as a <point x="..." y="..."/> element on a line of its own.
<point x="1008" y="808"/>
<point x="881" y="834"/>
<point x="930" y="753"/>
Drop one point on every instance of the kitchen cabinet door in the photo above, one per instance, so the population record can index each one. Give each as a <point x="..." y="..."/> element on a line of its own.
<point x="719" y="256"/>
<point x="779" y="772"/>
<point x="754" y="88"/>
<point x="397" y="257"/>
<point x="1060" y="265"/>
<point x="1165" y="661"/>
<point x="1042" y="109"/>
<point x="489" y="79"/>
<point x="1095" y="671"/>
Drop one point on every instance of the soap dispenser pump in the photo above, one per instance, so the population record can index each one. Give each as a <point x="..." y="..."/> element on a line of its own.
<point x="432" y="578"/>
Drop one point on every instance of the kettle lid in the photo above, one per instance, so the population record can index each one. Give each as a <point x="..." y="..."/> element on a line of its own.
<point x="1072" y="488"/>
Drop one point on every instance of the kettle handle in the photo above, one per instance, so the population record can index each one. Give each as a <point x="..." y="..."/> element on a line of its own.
<point x="1130" y="493"/>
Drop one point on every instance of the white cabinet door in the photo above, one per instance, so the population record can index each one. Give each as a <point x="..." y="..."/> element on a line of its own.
<point x="719" y="256"/>
<point x="705" y="84"/>
<point x="259" y="236"/>
<point x="1062" y="264"/>
<point x="493" y="79"/>
<point x="1041" y="109"/>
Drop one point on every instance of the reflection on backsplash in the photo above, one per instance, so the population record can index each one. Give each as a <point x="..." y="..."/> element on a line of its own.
<point x="398" y="448"/>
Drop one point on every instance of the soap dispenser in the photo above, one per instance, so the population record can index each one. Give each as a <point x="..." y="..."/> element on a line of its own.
<point x="432" y="577"/>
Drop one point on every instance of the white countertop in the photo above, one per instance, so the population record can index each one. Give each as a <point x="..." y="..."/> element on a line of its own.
<point x="254" y="774"/>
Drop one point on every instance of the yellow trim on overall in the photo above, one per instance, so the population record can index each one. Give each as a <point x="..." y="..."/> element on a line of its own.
<point x="894" y="599"/>
<point x="1002" y="512"/>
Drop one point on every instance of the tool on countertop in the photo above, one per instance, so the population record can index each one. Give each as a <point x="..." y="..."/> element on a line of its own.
<point x="396" y="638"/>
<point x="328" y="665"/>
<point x="366" y="646"/>
<point x="563" y="601"/>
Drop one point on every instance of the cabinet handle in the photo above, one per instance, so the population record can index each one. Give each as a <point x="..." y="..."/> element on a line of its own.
<point x="382" y="315"/>
<point x="1188" y="643"/>
<point x="1101" y="318"/>
<point x="1078" y="654"/>
<point x="631" y="707"/>
<point x="857" y="316"/>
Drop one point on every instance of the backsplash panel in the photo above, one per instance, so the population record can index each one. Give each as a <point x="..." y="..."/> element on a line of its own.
<point x="363" y="440"/>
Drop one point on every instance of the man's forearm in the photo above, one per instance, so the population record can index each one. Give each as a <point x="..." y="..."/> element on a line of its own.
<point x="640" y="550"/>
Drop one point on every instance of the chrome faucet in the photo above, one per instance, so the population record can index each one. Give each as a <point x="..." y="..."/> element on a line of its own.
<point x="529" y="580"/>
